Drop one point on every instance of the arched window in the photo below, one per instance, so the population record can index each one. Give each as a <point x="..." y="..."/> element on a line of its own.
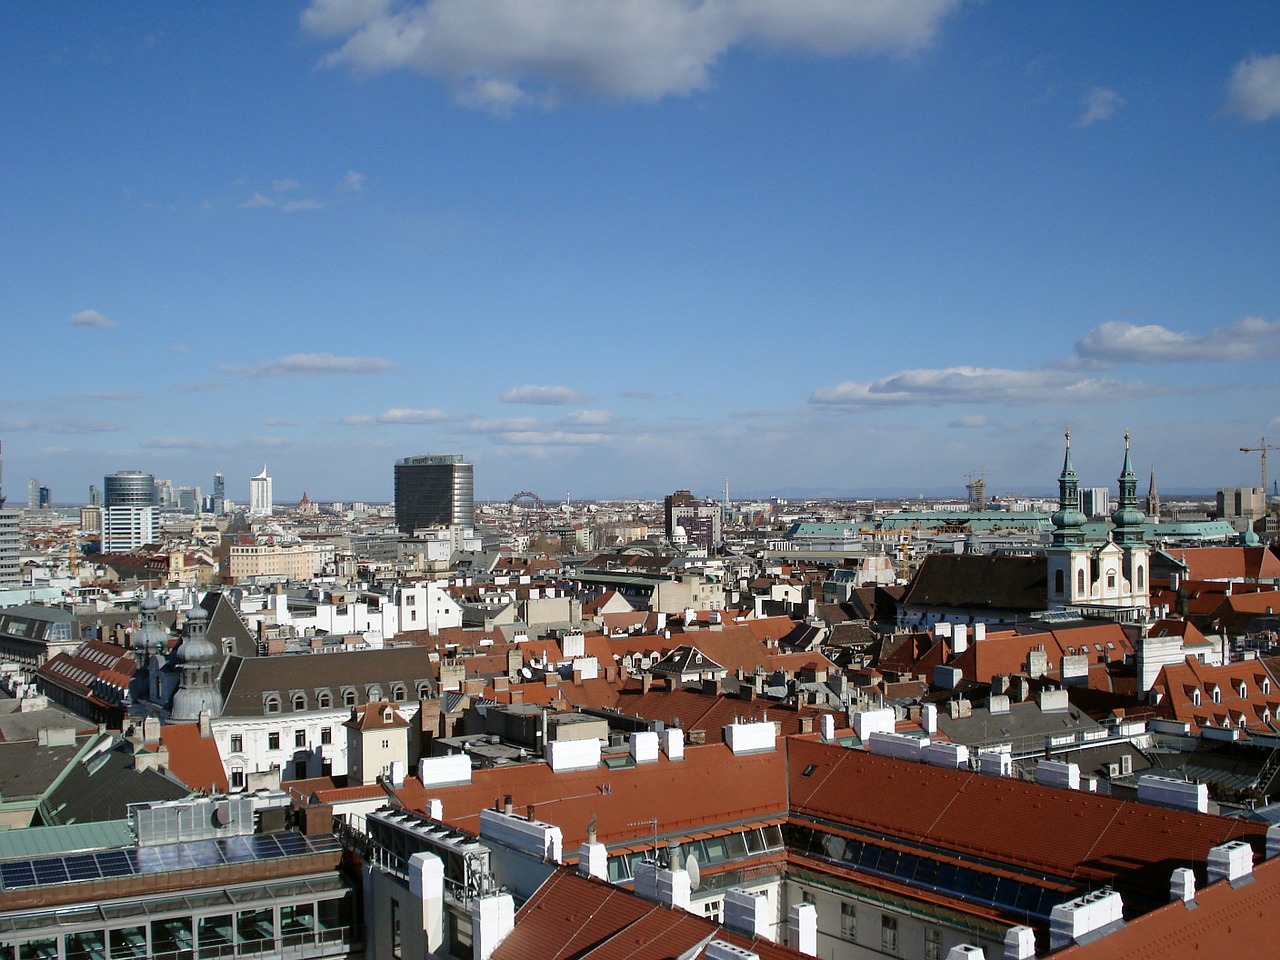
<point x="299" y="702"/>
<point x="271" y="703"/>
<point x="1111" y="579"/>
<point x="348" y="697"/>
<point x="1080" y="581"/>
<point x="398" y="692"/>
<point x="324" y="699"/>
<point x="1217" y="694"/>
<point x="1195" y="697"/>
<point x="1243" y="689"/>
<point x="424" y="690"/>
<point x="1059" y="582"/>
<point x="1141" y="585"/>
<point x="1266" y="686"/>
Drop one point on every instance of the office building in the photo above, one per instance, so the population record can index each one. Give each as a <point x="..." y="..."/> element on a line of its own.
<point x="260" y="495"/>
<point x="129" y="488"/>
<point x="694" y="522"/>
<point x="219" y="499"/>
<point x="188" y="499"/>
<point x="1248" y="502"/>
<point x="434" y="490"/>
<point x="127" y="528"/>
<point x="1095" y="501"/>
<point x="10" y="554"/>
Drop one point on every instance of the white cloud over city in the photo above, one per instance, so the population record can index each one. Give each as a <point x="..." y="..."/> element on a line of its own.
<point x="543" y="395"/>
<point x="502" y="54"/>
<point x="1254" y="92"/>
<point x="313" y="365"/>
<point x="91" y="318"/>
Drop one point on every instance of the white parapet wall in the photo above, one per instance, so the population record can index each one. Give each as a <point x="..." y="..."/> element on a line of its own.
<point x="1058" y="773"/>
<point x="443" y="771"/>
<point x="1171" y="792"/>
<point x="542" y="840"/>
<point x="867" y="722"/>
<point x="950" y="755"/>
<point x="566" y="755"/>
<point x="760" y="737"/>
<point x="900" y="746"/>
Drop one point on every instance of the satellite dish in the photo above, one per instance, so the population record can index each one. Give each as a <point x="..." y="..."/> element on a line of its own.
<point x="526" y="673"/>
<point x="695" y="872"/>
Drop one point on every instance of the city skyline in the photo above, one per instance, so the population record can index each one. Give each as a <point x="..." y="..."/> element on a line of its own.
<point x="625" y="250"/>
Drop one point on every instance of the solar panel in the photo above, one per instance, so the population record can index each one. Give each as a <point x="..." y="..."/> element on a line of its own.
<point x="164" y="858"/>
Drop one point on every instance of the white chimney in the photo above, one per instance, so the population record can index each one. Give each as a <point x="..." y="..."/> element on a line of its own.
<point x="1182" y="885"/>
<point x="671" y="888"/>
<point x="644" y="746"/>
<point x="435" y="809"/>
<point x="747" y="913"/>
<point x="979" y="632"/>
<point x="493" y="917"/>
<point x="965" y="951"/>
<point x="802" y="929"/>
<point x="1273" y="840"/>
<point x="827" y="724"/>
<point x="673" y="743"/>
<point x="722" y="950"/>
<point x="426" y="885"/>
<point x="929" y="718"/>
<point x="1020" y="944"/>
<point x="1230" y="861"/>
<point x="1070" y="921"/>
<point x="959" y="639"/>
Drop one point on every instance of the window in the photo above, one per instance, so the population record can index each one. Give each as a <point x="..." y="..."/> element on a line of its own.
<point x="1266" y="686"/>
<point x="1195" y="697"/>
<point x="299" y="702"/>
<point x="348" y="697"/>
<point x="1217" y="694"/>
<point x="1111" y="579"/>
<point x="1140" y="583"/>
<point x="237" y="778"/>
<point x="299" y="738"/>
<point x="324" y="700"/>
<point x="1059" y="582"/>
<point x="1244" y="690"/>
<point x="933" y="944"/>
<point x="237" y="743"/>
<point x="386" y="744"/>
<point x="849" y="922"/>
<point x="398" y="692"/>
<point x="271" y="703"/>
<point x="1080" y="581"/>
<point x="807" y="896"/>
<point x="326" y="735"/>
<point x="273" y="741"/>
<point x="888" y="934"/>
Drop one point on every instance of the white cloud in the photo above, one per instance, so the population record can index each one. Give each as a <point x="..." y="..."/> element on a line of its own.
<point x="91" y="318"/>
<point x="516" y="424"/>
<point x="971" y="422"/>
<point x="589" y="418"/>
<point x="400" y="415"/>
<point x="257" y="200"/>
<point x="279" y="422"/>
<point x="285" y="185"/>
<point x="977" y="385"/>
<point x="1099" y="104"/>
<point x="294" y="206"/>
<point x="1119" y="342"/>
<point x="1255" y="88"/>
<point x="352" y="182"/>
<point x="502" y="54"/>
<point x="179" y="348"/>
<point x="544" y="395"/>
<point x="314" y="364"/>
<point x="553" y="438"/>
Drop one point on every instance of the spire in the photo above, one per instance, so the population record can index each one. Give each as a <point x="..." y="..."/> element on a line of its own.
<point x="1153" y="497"/>
<point x="1068" y="520"/>
<point x="1127" y="518"/>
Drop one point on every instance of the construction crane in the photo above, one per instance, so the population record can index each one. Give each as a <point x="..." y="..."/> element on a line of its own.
<point x="1262" y="448"/>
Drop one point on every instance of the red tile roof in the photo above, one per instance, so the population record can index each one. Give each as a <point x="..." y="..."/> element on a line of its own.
<point x="1077" y="836"/>
<point x="710" y="786"/>
<point x="194" y="759"/>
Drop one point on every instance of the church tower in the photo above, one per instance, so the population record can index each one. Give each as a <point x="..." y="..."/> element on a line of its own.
<point x="1069" y="562"/>
<point x="198" y="657"/>
<point x="1128" y="535"/>
<point x="1153" y="498"/>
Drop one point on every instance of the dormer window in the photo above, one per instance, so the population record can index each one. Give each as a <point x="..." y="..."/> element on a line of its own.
<point x="387" y="715"/>
<point x="271" y="703"/>
<point x="299" y="702"/>
<point x="1244" y="690"/>
<point x="1216" y="693"/>
<point x="1195" y="697"/>
<point x="1266" y="686"/>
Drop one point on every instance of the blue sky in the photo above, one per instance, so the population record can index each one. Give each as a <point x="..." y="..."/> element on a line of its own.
<point x="618" y="248"/>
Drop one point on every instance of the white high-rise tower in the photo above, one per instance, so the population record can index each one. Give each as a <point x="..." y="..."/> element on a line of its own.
<point x="260" y="495"/>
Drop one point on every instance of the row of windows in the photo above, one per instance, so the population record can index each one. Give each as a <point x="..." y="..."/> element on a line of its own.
<point x="272" y="701"/>
<point x="256" y="932"/>
<point x="1060" y="580"/>
<point x="889" y="942"/>
<point x="273" y="739"/>
<point x="734" y="846"/>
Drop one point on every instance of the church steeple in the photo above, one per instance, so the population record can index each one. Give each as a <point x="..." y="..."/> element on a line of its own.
<point x="1127" y="518"/>
<point x="1068" y="521"/>
<point x="1153" y="498"/>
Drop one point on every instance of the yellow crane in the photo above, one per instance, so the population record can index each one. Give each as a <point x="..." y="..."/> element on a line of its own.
<point x="1262" y="448"/>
